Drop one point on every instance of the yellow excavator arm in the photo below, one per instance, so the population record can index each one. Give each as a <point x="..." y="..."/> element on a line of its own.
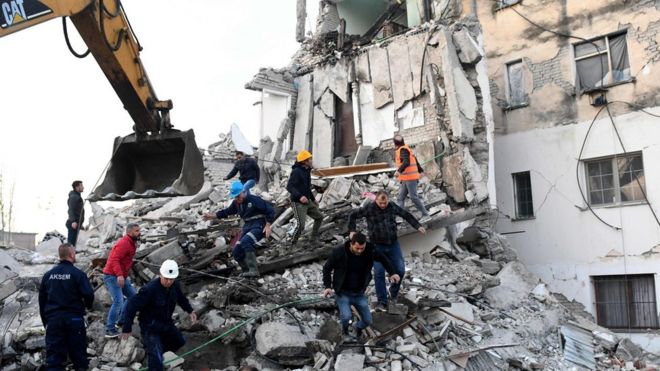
<point x="154" y="161"/>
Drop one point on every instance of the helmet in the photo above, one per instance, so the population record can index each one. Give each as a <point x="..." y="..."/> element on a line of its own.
<point x="303" y="155"/>
<point x="169" y="269"/>
<point x="235" y="189"/>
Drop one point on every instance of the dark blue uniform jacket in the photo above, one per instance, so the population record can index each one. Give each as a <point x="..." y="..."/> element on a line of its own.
<point x="252" y="210"/>
<point x="64" y="291"/>
<point x="156" y="305"/>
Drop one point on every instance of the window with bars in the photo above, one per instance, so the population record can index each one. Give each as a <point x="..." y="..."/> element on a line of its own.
<point x="615" y="180"/>
<point x="522" y="191"/>
<point x="602" y="61"/>
<point x="626" y="301"/>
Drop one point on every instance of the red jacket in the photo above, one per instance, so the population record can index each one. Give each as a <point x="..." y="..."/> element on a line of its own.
<point x="121" y="256"/>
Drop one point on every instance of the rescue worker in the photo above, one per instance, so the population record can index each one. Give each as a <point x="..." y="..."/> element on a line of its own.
<point x="64" y="294"/>
<point x="76" y="212"/>
<point x="257" y="216"/>
<point x="302" y="199"/>
<point x="116" y="276"/>
<point x="348" y="272"/>
<point x="381" y="221"/>
<point x="248" y="171"/>
<point x="408" y="172"/>
<point x="156" y="302"/>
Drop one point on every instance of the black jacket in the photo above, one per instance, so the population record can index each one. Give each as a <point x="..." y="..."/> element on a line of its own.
<point x="334" y="269"/>
<point x="76" y="209"/>
<point x="381" y="222"/>
<point x="247" y="168"/>
<point x="405" y="162"/>
<point x="300" y="182"/>
<point x="64" y="291"/>
<point x="156" y="305"/>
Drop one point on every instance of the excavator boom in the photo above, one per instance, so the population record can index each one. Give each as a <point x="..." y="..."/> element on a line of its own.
<point x="155" y="160"/>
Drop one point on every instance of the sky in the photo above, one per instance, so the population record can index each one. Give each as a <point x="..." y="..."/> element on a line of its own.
<point x="60" y="115"/>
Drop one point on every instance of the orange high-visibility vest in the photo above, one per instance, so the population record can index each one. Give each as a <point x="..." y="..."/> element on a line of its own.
<point x="409" y="173"/>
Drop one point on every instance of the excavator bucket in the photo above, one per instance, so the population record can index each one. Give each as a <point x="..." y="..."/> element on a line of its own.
<point x="168" y="164"/>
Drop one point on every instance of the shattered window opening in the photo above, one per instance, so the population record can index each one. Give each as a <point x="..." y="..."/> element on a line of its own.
<point x="522" y="190"/>
<point x="614" y="180"/>
<point x="601" y="62"/>
<point x="626" y="301"/>
<point x="516" y="90"/>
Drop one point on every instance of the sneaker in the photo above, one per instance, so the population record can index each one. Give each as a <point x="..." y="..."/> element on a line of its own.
<point x="110" y="334"/>
<point x="425" y="219"/>
<point x="380" y="307"/>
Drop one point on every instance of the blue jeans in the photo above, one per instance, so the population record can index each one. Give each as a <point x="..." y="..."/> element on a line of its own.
<point x="66" y="336"/>
<point x="250" y="235"/>
<point x="344" y="301"/>
<point x="157" y="343"/>
<point x="394" y="255"/>
<point x="248" y="185"/>
<point x="118" y="303"/>
<point x="409" y="188"/>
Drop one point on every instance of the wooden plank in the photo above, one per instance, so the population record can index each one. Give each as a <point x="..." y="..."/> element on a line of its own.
<point x="350" y="170"/>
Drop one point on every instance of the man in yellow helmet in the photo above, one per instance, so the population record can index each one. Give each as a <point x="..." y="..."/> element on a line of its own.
<point x="302" y="199"/>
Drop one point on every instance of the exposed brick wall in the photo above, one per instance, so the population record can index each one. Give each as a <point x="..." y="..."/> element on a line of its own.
<point x="549" y="71"/>
<point x="647" y="37"/>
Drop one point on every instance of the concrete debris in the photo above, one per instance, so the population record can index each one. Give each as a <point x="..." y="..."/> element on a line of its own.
<point x="468" y="49"/>
<point x="283" y="343"/>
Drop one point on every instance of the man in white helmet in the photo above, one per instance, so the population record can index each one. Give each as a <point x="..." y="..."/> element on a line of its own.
<point x="156" y="302"/>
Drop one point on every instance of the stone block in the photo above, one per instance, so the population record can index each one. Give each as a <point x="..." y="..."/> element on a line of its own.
<point x="283" y="343"/>
<point x="349" y="362"/>
<point x="453" y="177"/>
<point x="124" y="352"/>
<point x="468" y="49"/>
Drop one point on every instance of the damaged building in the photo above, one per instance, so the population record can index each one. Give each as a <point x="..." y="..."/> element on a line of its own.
<point x="576" y="140"/>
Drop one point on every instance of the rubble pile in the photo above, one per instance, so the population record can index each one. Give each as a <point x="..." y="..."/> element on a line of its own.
<point x="466" y="303"/>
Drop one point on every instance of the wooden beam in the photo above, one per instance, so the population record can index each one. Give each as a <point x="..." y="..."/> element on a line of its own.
<point x="352" y="170"/>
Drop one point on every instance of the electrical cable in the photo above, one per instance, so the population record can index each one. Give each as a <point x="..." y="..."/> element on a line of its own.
<point x="68" y="42"/>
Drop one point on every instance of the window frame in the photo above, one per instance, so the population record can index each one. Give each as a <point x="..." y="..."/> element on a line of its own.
<point x="516" y="206"/>
<point x="606" y="37"/>
<point x="615" y="181"/>
<point x="507" y="86"/>
<point x="628" y="280"/>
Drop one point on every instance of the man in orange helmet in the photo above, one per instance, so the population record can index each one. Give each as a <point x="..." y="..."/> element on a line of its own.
<point x="302" y="199"/>
<point x="408" y="172"/>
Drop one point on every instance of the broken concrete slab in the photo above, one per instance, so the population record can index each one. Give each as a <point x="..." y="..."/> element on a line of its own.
<point x="415" y="55"/>
<point x="461" y="311"/>
<point x="461" y="97"/>
<point x="123" y="352"/>
<point x="347" y="361"/>
<point x="469" y="51"/>
<point x="380" y="76"/>
<point x="362" y="70"/>
<point x="400" y="74"/>
<point x="426" y="154"/>
<point x="338" y="190"/>
<point x="338" y="79"/>
<point x="474" y="177"/>
<point x="304" y="113"/>
<point x="516" y="282"/>
<point x="323" y="136"/>
<point x="453" y="176"/>
<point x="381" y="121"/>
<point x="283" y="343"/>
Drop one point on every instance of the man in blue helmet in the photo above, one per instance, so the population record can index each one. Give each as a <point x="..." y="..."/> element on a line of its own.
<point x="257" y="214"/>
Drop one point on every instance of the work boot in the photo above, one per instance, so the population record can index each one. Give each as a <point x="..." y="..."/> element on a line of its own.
<point x="244" y="267"/>
<point x="251" y="262"/>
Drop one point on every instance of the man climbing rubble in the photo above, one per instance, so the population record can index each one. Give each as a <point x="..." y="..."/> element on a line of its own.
<point x="247" y="169"/>
<point x="156" y="302"/>
<point x="303" y="202"/>
<point x="64" y="294"/>
<point x="408" y="172"/>
<point x="116" y="276"/>
<point x="76" y="212"/>
<point x="381" y="221"/>
<point x="348" y="272"/>
<point x="258" y="216"/>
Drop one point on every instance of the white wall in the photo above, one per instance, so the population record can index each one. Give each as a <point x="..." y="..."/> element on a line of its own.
<point x="563" y="244"/>
<point x="274" y="107"/>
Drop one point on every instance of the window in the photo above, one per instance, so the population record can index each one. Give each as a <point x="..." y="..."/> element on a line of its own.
<point x="615" y="180"/>
<point x="516" y="89"/>
<point x="602" y="65"/>
<point x="522" y="191"/>
<point x="626" y="301"/>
